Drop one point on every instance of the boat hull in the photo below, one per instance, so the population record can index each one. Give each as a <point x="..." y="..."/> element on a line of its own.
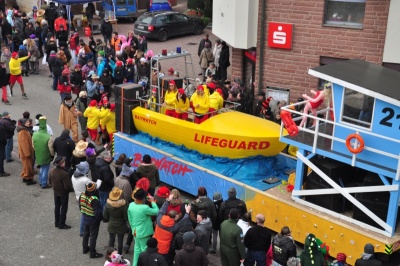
<point x="232" y="134"/>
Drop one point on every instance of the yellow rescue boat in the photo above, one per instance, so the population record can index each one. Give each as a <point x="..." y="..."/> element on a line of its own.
<point x="231" y="134"/>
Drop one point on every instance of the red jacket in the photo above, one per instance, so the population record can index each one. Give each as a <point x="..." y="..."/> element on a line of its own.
<point x="58" y="22"/>
<point x="163" y="236"/>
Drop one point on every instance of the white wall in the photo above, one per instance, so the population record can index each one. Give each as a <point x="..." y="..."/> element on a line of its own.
<point x="391" y="52"/>
<point x="235" y="21"/>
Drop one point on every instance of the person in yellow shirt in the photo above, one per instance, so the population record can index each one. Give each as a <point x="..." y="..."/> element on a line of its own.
<point x="152" y="101"/>
<point x="170" y="98"/>
<point x="109" y="122"/>
<point x="201" y="104"/>
<point x="93" y="115"/>
<point x="15" y="72"/>
<point x="216" y="102"/>
<point x="181" y="105"/>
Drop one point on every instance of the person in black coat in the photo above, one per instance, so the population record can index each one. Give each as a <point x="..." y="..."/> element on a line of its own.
<point x="64" y="47"/>
<point x="257" y="241"/>
<point x="9" y="128"/>
<point x="6" y="29"/>
<point x="4" y="82"/>
<point x="106" y="30"/>
<point x="202" y="44"/>
<point x="367" y="258"/>
<point x="37" y="30"/>
<point x="224" y="61"/>
<point x="56" y="66"/>
<point x="103" y="172"/>
<point x="64" y="146"/>
<point x="51" y="14"/>
<point x="151" y="257"/>
<point x="29" y="30"/>
<point x="142" y="46"/>
<point x="62" y="35"/>
<point x="17" y="39"/>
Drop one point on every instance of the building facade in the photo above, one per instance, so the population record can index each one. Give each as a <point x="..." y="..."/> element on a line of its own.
<point x="293" y="36"/>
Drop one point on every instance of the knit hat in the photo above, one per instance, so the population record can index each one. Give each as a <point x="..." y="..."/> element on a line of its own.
<point x="200" y="88"/>
<point x="140" y="194"/>
<point x="53" y="52"/>
<point x="142" y="60"/>
<point x="65" y="72"/>
<point x="143" y="183"/>
<point x="93" y="103"/>
<point x="186" y="226"/>
<point x="91" y="186"/>
<point x="211" y="85"/>
<point x="14" y="54"/>
<point x="146" y="159"/>
<point x="341" y="257"/>
<point x="116" y="258"/>
<point x="369" y="249"/>
<point x="152" y="243"/>
<point x="101" y="53"/>
<point x="201" y="191"/>
<point x="82" y="168"/>
<point x="21" y="47"/>
<point x="90" y="151"/>
<point x="115" y="194"/>
<point x="82" y="93"/>
<point x="119" y="63"/>
<point x="163" y="192"/>
<point x="188" y="237"/>
<point x="128" y="161"/>
<point x="217" y="196"/>
<point x="58" y="161"/>
<point x="126" y="171"/>
<point x="232" y="192"/>
<point x="32" y="36"/>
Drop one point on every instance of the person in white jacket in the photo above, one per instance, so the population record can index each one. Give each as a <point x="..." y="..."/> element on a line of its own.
<point x="216" y="53"/>
<point x="79" y="180"/>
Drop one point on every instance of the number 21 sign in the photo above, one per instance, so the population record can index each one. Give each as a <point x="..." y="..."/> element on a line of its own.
<point x="388" y="119"/>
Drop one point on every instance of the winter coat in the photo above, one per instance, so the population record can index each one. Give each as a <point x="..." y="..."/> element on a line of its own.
<point x="191" y="255"/>
<point x="6" y="29"/>
<point x="109" y="122"/>
<point x="206" y="57"/>
<point x="122" y="182"/>
<point x="139" y="216"/>
<point x="43" y="144"/>
<point x="6" y="58"/>
<point x="367" y="260"/>
<point x="129" y="72"/>
<point x="224" y="57"/>
<point x="64" y="146"/>
<point x="79" y="182"/>
<point x="230" y="203"/>
<point x="56" y="65"/>
<point x="203" y="233"/>
<point x="150" y="257"/>
<point x="203" y="101"/>
<point x="9" y="126"/>
<point x="25" y="148"/>
<point x="60" y="180"/>
<point x="283" y="248"/>
<point x="202" y="44"/>
<point x="231" y="238"/>
<point x="217" y="53"/>
<point x="143" y="71"/>
<point x="76" y="78"/>
<point x="206" y="204"/>
<point x="116" y="213"/>
<point x="92" y="113"/>
<point x="151" y="172"/>
<point x="68" y="116"/>
<point x="106" y="28"/>
<point x="119" y="73"/>
<point x="217" y="222"/>
<point x="77" y="158"/>
<point x="103" y="172"/>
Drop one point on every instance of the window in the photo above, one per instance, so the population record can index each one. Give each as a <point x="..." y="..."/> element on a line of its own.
<point x="345" y="13"/>
<point x="160" y="20"/>
<point x="180" y="18"/>
<point x="357" y="108"/>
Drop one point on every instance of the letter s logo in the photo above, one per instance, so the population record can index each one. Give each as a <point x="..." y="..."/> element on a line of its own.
<point x="279" y="37"/>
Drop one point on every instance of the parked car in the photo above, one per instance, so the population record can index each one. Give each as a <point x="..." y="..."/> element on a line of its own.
<point x="162" y="25"/>
<point x="158" y="5"/>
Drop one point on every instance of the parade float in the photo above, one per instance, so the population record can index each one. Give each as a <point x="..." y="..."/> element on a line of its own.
<point x="346" y="177"/>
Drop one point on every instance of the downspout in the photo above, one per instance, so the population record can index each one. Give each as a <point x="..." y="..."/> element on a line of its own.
<point x="262" y="44"/>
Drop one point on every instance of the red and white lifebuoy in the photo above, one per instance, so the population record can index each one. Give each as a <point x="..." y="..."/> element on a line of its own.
<point x="288" y="123"/>
<point x="358" y="148"/>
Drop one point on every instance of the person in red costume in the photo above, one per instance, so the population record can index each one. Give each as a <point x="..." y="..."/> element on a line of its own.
<point x="314" y="103"/>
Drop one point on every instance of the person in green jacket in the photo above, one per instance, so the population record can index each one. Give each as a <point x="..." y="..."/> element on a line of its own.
<point x="139" y="217"/>
<point x="231" y="240"/>
<point x="44" y="152"/>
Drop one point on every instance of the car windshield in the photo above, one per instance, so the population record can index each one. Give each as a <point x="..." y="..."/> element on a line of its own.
<point x="160" y="1"/>
<point x="145" y="19"/>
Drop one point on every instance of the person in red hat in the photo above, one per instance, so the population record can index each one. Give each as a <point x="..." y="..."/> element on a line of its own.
<point x="201" y="104"/>
<point x="152" y="101"/>
<point x="181" y="105"/>
<point x="64" y="86"/>
<point x="93" y="114"/>
<point x="170" y="71"/>
<point x="170" y="98"/>
<point x="129" y="74"/>
<point x="76" y="79"/>
<point x="15" y="72"/>
<point x="109" y="122"/>
<point x="340" y="260"/>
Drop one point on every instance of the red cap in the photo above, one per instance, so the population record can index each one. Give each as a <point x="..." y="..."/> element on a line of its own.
<point x="112" y="107"/>
<point x="93" y="103"/>
<point x="154" y="90"/>
<point x="119" y="63"/>
<point x="78" y="66"/>
<point x="129" y="61"/>
<point x="14" y="54"/>
<point x="200" y="88"/>
<point x="172" y="82"/>
<point x="181" y="91"/>
<point x="163" y="192"/>
<point x="171" y="70"/>
<point x="341" y="257"/>
<point x="211" y="85"/>
<point x="219" y="91"/>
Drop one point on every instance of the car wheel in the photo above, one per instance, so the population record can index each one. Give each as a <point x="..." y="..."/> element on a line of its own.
<point x="198" y="29"/>
<point x="163" y="36"/>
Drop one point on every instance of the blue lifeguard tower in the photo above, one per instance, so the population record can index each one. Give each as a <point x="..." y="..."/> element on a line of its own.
<point x="361" y="130"/>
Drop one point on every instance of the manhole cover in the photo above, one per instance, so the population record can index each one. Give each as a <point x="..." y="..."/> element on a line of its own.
<point x="191" y="43"/>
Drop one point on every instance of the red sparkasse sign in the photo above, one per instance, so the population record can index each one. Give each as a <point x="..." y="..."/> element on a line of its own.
<point x="280" y="35"/>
